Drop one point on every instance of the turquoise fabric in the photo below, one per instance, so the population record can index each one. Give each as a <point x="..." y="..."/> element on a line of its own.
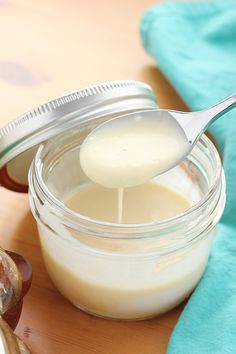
<point x="194" y="44"/>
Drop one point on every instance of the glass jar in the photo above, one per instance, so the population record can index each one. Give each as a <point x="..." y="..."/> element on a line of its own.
<point x="15" y="281"/>
<point x="124" y="271"/>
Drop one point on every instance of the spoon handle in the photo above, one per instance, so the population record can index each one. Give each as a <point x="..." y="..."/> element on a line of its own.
<point x="215" y="112"/>
<point x="203" y="119"/>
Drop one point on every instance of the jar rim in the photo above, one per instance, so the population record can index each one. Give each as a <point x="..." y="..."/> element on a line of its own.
<point x="75" y="217"/>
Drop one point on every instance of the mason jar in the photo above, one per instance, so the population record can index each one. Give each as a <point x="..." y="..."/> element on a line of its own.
<point x="124" y="271"/>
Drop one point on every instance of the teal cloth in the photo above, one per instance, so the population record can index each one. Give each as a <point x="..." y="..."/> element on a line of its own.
<point x="194" y="44"/>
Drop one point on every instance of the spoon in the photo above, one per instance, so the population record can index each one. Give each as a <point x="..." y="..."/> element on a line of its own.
<point x="130" y="150"/>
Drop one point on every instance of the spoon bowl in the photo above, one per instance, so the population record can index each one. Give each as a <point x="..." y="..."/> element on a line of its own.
<point x="130" y="150"/>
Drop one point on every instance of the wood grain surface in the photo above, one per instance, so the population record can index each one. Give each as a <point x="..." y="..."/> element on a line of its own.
<point x="48" y="48"/>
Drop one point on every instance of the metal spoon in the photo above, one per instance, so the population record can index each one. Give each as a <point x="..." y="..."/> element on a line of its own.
<point x="109" y="166"/>
<point x="194" y="124"/>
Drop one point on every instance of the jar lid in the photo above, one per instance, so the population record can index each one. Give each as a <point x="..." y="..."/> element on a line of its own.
<point x="19" y="139"/>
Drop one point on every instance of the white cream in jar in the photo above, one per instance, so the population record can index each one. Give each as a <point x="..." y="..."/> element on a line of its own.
<point x="155" y="288"/>
<point x="107" y="289"/>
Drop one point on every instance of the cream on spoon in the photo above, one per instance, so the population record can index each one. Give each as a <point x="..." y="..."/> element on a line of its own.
<point x="132" y="149"/>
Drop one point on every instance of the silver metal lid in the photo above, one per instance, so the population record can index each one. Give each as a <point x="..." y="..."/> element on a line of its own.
<point x="20" y="138"/>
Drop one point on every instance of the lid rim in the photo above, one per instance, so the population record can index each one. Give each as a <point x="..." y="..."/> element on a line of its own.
<point x="63" y="113"/>
<point x="60" y="101"/>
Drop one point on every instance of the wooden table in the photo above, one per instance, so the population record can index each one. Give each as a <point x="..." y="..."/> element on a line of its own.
<point x="48" y="48"/>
